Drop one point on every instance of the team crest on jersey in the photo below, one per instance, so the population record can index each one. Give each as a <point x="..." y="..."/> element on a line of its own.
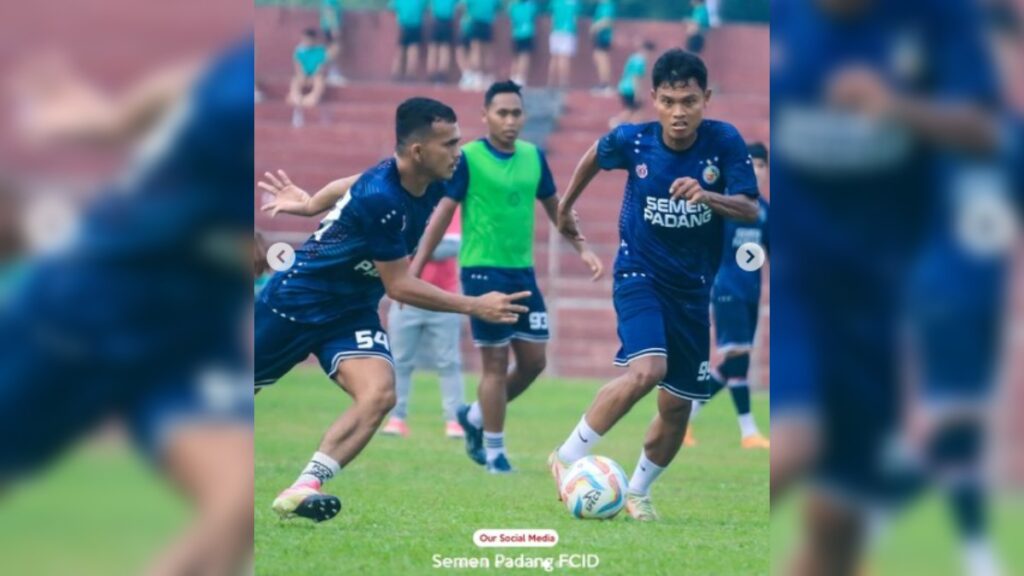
<point x="710" y="174"/>
<point x="641" y="170"/>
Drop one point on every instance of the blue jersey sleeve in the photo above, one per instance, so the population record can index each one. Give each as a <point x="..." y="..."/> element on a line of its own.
<point x="546" y="188"/>
<point x="612" y="150"/>
<point x="456" y="187"/>
<point x="382" y="221"/>
<point x="737" y="167"/>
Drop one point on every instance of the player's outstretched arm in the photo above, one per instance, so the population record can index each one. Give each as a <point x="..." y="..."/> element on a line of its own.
<point x="433" y="234"/>
<point x="586" y="254"/>
<point x="566" y="220"/>
<point x="291" y="199"/>
<point x="735" y="206"/>
<point x="403" y="287"/>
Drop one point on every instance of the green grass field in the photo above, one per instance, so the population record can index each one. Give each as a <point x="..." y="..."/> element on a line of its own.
<point x="405" y="500"/>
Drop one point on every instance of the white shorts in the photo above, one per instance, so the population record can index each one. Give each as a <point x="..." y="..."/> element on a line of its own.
<point x="562" y="44"/>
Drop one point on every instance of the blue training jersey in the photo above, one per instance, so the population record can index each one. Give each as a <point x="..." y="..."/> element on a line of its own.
<point x="153" y="268"/>
<point x="334" y="272"/>
<point x="731" y="279"/>
<point x="677" y="243"/>
<point x="856" y="192"/>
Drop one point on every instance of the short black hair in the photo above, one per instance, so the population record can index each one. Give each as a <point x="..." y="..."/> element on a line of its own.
<point x="677" y="66"/>
<point x="758" y="150"/>
<point x="650" y="46"/>
<point x="417" y="114"/>
<point x="504" y="87"/>
<point x="311" y="33"/>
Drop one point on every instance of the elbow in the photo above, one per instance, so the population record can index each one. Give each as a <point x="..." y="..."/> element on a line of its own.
<point x="750" y="212"/>
<point x="397" y="291"/>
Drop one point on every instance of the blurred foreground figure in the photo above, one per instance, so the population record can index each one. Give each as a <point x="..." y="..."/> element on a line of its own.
<point x="893" y="227"/>
<point x="141" y="315"/>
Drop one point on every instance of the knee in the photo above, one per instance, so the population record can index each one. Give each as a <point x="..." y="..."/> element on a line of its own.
<point x="644" y="378"/>
<point x="533" y="367"/>
<point x="380" y="400"/>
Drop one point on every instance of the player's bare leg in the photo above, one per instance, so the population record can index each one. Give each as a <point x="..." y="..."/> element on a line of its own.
<point x="530" y="360"/>
<point x="613" y="401"/>
<point x="412" y="60"/>
<point x="212" y="464"/>
<point x="794" y="453"/>
<point x="493" y="398"/>
<point x="432" y="60"/>
<point x="664" y="438"/>
<point x="371" y="383"/>
<point x="833" y="538"/>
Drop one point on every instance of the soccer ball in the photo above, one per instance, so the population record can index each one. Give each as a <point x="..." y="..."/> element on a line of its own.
<point x="594" y="487"/>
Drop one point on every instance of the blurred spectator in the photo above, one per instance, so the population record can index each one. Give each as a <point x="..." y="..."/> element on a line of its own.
<point x="462" y="51"/>
<point x="442" y="39"/>
<point x="12" y="257"/>
<point x="714" y="14"/>
<point x="331" y="22"/>
<point x="601" y="34"/>
<point x="632" y="82"/>
<point x="409" y="14"/>
<point x="414" y="330"/>
<point x="522" y="15"/>
<point x="562" y="44"/>
<point x="481" y="58"/>
<point x="308" y="81"/>
<point x="696" y="25"/>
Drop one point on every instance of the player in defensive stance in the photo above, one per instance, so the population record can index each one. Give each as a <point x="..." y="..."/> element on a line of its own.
<point x="737" y="302"/>
<point x="686" y="175"/>
<point x="326" y="303"/>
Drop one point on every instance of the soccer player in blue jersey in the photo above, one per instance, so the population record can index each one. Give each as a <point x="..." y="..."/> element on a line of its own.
<point x="141" y="316"/>
<point x="687" y="174"/>
<point x="737" y="302"/>
<point x="326" y="303"/>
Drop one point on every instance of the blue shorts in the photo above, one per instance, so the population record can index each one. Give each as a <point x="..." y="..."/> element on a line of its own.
<point x="735" y="322"/>
<point x="835" y="361"/>
<point x="532" y="327"/>
<point x="55" y="388"/>
<point x="653" y="322"/>
<point x="281" y="342"/>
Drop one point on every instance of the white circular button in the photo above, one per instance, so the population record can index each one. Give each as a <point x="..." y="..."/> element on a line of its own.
<point x="281" y="256"/>
<point x="750" y="256"/>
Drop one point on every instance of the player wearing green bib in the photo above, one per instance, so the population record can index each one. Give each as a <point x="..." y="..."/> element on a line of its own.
<point x="497" y="182"/>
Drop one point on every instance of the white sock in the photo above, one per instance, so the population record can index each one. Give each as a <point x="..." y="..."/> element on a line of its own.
<point x="695" y="407"/>
<point x="980" y="559"/>
<point x="494" y="444"/>
<point x="475" y="415"/>
<point x="747" y="425"/>
<point x="320" y="469"/>
<point x="645" y="474"/>
<point x="579" y="443"/>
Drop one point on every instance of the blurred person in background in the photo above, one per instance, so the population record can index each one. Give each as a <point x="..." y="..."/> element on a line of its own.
<point x="331" y="22"/>
<point x="631" y="84"/>
<point x="308" y="83"/>
<point x="141" y="315"/>
<point x="12" y="249"/>
<point x="602" y="35"/>
<point x="522" y="15"/>
<point x="869" y="100"/>
<point x="696" y="26"/>
<point x="414" y="330"/>
<point x="563" y="41"/>
<point x="736" y="305"/>
<point x="409" y="14"/>
<point x="481" y="30"/>
<point x="442" y="40"/>
<point x="462" y="52"/>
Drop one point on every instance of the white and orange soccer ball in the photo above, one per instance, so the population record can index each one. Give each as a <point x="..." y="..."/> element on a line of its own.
<point x="594" y="487"/>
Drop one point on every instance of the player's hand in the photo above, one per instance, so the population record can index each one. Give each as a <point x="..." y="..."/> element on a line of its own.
<point x="594" y="263"/>
<point x="688" y="189"/>
<point x="569" y="226"/>
<point x="498" y="308"/>
<point x="863" y="90"/>
<point x="288" y="197"/>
